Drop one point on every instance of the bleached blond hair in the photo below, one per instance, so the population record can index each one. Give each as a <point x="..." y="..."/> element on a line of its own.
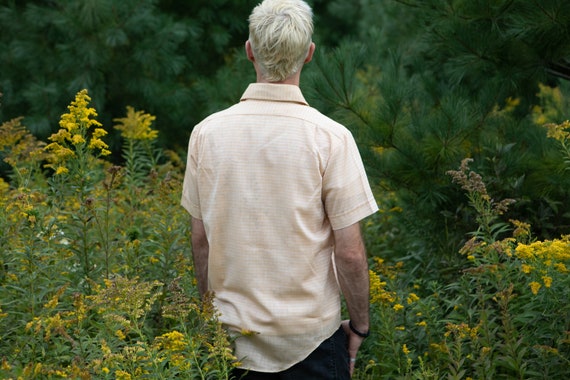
<point x="280" y="34"/>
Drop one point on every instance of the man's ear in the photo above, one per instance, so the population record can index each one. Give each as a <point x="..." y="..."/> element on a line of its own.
<point x="249" y="51"/>
<point x="310" y="53"/>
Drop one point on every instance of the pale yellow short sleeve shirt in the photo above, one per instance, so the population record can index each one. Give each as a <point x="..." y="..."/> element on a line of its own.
<point x="271" y="178"/>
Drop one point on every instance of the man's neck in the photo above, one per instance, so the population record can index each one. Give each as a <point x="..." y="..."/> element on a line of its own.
<point x="293" y="80"/>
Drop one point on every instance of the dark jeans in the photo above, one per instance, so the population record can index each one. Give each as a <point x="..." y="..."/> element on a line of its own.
<point x="329" y="361"/>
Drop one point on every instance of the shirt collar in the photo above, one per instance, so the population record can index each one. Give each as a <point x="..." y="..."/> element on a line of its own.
<point x="274" y="92"/>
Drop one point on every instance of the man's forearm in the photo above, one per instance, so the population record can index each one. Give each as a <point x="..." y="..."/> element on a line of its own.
<point x="352" y="270"/>
<point x="200" y="254"/>
<point x="354" y="283"/>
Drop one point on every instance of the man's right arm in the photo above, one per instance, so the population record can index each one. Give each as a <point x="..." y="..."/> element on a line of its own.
<point x="200" y="253"/>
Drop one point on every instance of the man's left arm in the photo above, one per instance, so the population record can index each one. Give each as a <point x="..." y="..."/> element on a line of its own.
<point x="200" y="253"/>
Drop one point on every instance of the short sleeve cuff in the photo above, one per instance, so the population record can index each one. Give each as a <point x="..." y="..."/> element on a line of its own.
<point x="355" y="215"/>
<point x="192" y="209"/>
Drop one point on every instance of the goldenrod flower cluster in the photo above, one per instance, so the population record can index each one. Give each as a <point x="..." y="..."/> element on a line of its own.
<point x="560" y="132"/>
<point x="461" y="330"/>
<point x="136" y="125"/>
<point x="552" y="253"/>
<point x="172" y="341"/>
<point x="18" y="144"/>
<point x="125" y="300"/>
<point x="552" y="105"/>
<point x="378" y="293"/>
<point x="75" y="139"/>
<point x="548" y="258"/>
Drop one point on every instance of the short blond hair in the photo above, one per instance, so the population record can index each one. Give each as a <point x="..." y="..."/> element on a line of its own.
<point x="280" y="35"/>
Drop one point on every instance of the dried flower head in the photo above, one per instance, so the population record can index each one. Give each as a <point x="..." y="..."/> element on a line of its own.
<point x="469" y="180"/>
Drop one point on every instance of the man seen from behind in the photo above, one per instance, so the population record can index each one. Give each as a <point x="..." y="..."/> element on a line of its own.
<point x="276" y="191"/>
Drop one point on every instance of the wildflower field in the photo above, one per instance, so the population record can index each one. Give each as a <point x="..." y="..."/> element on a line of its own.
<point x="97" y="282"/>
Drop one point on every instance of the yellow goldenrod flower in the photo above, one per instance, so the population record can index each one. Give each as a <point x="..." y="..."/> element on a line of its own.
<point x="405" y="349"/>
<point x="561" y="267"/>
<point x="525" y="268"/>
<point x="172" y="341"/>
<point x="558" y="131"/>
<point x="534" y="287"/>
<point x="136" y="125"/>
<point x="99" y="132"/>
<point x="547" y="281"/>
<point x="105" y="348"/>
<point x="97" y="143"/>
<point x="77" y="139"/>
<point x="5" y="365"/>
<point x="73" y="140"/>
<point x="52" y="303"/>
<point x="461" y="330"/>
<point x="512" y="102"/>
<point x="61" y="170"/>
<point x="398" y="307"/>
<point x="412" y="297"/>
<point x="378" y="293"/>
<point x="521" y="229"/>
<point x="120" y="334"/>
<point x="122" y="375"/>
<point x="378" y="260"/>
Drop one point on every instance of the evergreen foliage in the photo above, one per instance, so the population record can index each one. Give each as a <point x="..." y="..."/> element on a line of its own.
<point x="149" y="54"/>
<point x="434" y="82"/>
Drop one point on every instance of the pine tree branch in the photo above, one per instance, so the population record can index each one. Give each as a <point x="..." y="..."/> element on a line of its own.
<point x="559" y="69"/>
<point x="551" y="16"/>
<point x="406" y="3"/>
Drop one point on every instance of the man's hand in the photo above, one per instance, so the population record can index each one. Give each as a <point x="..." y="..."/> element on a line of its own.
<point x="354" y="342"/>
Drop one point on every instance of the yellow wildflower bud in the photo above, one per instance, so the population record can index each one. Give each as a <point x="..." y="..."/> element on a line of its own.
<point x="547" y="281"/>
<point x="77" y="140"/>
<point x="525" y="268"/>
<point x="119" y="334"/>
<point x="99" y="132"/>
<point x="534" y="287"/>
<point x="61" y="170"/>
